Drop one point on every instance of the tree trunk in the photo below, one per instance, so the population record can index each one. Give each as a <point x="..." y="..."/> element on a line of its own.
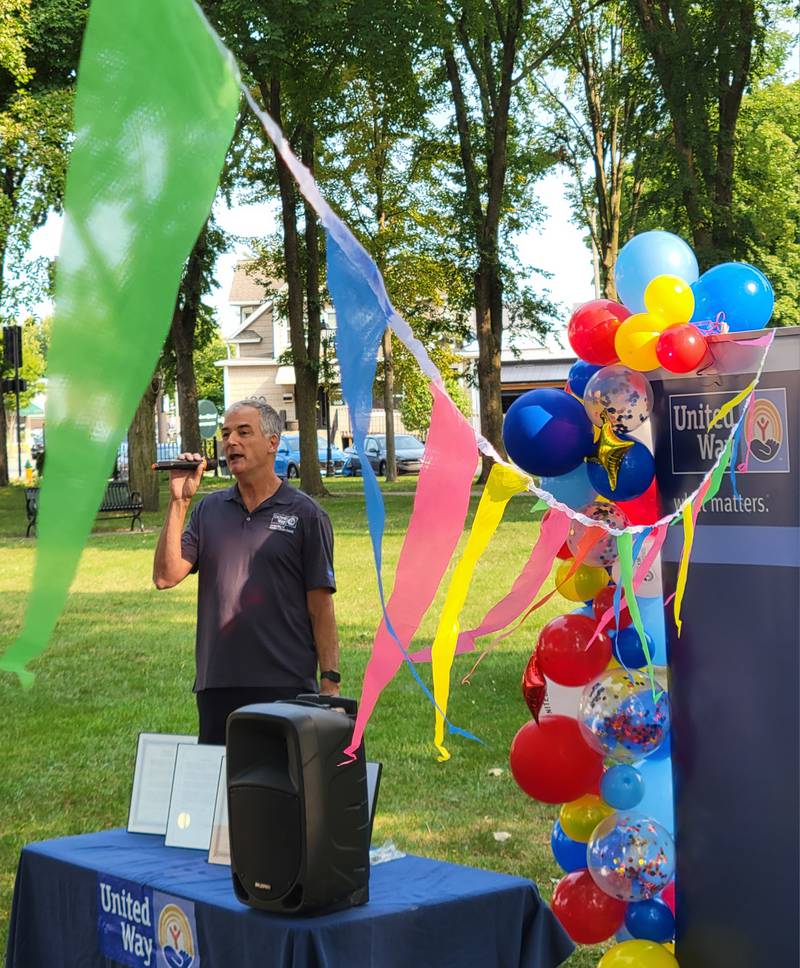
<point x="305" y="369"/>
<point x="142" y="447"/>
<point x="183" y="341"/>
<point x="182" y="333"/>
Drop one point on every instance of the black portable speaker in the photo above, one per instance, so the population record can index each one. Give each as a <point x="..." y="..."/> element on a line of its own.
<point x="298" y="819"/>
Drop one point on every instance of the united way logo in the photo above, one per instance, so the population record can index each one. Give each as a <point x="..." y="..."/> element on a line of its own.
<point x="175" y="937"/>
<point x="764" y="431"/>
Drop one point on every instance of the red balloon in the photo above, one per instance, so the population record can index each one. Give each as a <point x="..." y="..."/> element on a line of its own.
<point x="565" y="654"/>
<point x="604" y="600"/>
<point x="668" y="896"/>
<point x="642" y="509"/>
<point x="534" y="687"/>
<point x="592" y="329"/>
<point x="681" y="349"/>
<point x="564" y="553"/>
<point x="552" y="762"/>
<point x="586" y="913"/>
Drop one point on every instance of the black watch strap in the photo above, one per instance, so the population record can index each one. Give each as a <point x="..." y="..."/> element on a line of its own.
<point x="331" y="676"/>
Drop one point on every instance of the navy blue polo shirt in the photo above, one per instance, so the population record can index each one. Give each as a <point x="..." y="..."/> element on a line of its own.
<point x="254" y="569"/>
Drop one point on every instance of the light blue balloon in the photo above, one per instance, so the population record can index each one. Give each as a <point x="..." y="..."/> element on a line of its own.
<point x="652" y="612"/>
<point x="646" y="256"/>
<point x="622" y="787"/>
<point x="624" y="935"/>
<point x="739" y="291"/>
<point x="657" y="801"/>
<point x="572" y="488"/>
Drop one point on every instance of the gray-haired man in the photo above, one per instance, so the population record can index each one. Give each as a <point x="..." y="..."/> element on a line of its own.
<point x="264" y="554"/>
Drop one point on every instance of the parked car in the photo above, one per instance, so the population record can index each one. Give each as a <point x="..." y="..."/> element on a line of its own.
<point x="287" y="459"/>
<point x="408" y="450"/>
<point x="163" y="452"/>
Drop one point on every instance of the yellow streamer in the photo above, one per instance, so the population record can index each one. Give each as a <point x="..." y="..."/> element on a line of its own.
<point x="683" y="569"/>
<point x="726" y="408"/>
<point x="503" y="483"/>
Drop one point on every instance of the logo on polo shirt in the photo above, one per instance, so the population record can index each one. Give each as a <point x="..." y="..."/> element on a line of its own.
<point x="284" y="522"/>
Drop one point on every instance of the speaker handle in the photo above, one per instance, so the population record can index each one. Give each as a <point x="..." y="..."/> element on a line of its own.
<point x="350" y="706"/>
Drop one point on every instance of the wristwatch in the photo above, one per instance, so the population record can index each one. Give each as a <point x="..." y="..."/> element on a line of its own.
<point x="331" y="676"/>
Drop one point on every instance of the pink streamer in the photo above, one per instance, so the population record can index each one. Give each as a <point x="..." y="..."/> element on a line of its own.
<point x="535" y="572"/>
<point x="659" y="537"/>
<point x="433" y="532"/>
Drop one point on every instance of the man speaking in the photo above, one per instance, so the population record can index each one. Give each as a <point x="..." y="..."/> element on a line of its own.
<point x="264" y="556"/>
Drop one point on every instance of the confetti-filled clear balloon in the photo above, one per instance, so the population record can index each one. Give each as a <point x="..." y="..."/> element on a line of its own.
<point x="620" y="716"/>
<point x="623" y="395"/>
<point x="603" y="553"/>
<point x="631" y="857"/>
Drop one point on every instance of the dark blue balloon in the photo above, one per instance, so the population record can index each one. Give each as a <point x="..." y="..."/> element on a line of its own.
<point x="570" y="854"/>
<point x="547" y="432"/>
<point x="650" y="921"/>
<point x="622" y="787"/>
<point x="739" y="291"/>
<point x="635" y="475"/>
<point x="628" y="648"/>
<point x="579" y="375"/>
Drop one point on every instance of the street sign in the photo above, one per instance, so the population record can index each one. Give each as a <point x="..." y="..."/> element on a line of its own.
<point x="208" y="418"/>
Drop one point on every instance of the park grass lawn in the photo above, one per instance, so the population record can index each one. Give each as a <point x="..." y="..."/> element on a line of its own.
<point x="121" y="661"/>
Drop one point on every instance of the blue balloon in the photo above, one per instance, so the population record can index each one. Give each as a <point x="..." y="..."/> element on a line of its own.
<point x="579" y="375"/>
<point x="622" y="787"/>
<point x="646" y="256"/>
<point x="739" y="291"/>
<point x="650" y="921"/>
<point x="628" y="649"/>
<point x="572" y="489"/>
<point x="635" y="474"/>
<point x="547" y="432"/>
<point x="570" y="854"/>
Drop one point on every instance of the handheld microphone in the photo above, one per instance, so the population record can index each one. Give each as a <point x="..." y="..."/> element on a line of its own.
<point x="183" y="465"/>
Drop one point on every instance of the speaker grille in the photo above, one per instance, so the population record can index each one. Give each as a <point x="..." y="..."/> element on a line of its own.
<point x="265" y="830"/>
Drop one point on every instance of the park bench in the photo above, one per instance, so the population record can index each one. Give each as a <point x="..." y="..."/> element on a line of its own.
<point x="119" y="499"/>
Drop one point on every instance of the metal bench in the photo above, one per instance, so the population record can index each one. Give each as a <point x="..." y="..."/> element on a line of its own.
<point x="119" y="499"/>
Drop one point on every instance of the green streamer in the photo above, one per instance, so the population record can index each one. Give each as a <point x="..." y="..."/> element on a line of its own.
<point x="155" y="108"/>
<point x="625" y="552"/>
<point x="718" y="474"/>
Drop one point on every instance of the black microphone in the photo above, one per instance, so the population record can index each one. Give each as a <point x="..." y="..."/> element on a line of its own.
<point x="183" y="465"/>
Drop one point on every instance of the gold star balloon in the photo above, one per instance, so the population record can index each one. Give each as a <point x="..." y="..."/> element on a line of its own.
<point x="611" y="450"/>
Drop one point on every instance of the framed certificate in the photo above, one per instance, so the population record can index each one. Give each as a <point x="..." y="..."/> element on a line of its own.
<point x="194" y="793"/>
<point x="220" y="850"/>
<point x="152" y="781"/>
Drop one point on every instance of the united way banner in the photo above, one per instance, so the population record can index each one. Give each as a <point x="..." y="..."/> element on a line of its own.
<point x="734" y="670"/>
<point x="140" y="927"/>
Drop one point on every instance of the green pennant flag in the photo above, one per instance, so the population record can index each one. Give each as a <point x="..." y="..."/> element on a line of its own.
<point x="155" y="109"/>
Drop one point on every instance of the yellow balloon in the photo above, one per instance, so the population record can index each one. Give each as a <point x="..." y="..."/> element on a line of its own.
<point x="613" y="664"/>
<point x="579" y="818"/>
<point x="670" y="946"/>
<point x="635" y="341"/>
<point x="670" y="298"/>
<point x="583" y="585"/>
<point x="638" y="954"/>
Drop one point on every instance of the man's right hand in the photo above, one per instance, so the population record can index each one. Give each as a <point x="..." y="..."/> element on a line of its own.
<point x="183" y="484"/>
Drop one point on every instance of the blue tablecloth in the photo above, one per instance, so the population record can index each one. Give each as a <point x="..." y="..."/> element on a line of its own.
<point x="421" y="913"/>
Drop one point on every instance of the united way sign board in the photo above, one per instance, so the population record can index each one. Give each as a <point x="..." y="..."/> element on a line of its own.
<point x="735" y="670"/>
